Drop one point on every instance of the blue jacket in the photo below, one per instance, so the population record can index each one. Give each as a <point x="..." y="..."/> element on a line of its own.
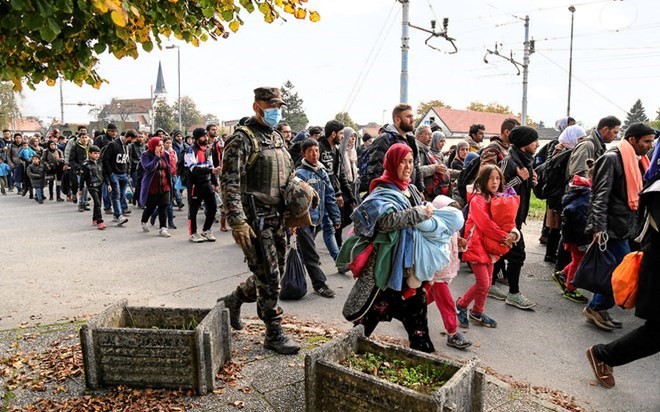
<point x="431" y="241"/>
<point x="574" y="215"/>
<point x="318" y="178"/>
<point x="4" y="170"/>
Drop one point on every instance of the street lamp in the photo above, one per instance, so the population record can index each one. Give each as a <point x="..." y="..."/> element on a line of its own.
<point x="178" y="59"/>
<point x="570" y="62"/>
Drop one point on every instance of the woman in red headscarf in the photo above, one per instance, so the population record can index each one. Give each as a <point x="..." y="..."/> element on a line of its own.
<point x="388" y="216"/>
<point x="156" y="189"/>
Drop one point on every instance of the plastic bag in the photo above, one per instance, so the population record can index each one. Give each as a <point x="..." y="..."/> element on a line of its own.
<point x="595" y="271"/>
<point x="625" y="280"/>
<point x="294" y="283"/>
<point x="503" y="211"/>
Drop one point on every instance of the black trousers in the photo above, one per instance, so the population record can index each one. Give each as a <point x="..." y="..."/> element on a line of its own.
<point x="160" y="200"/>
<point x="198" y="193"/>
<point x="305" y="236"/>
<point x="95" y="193"/>
<point x="511" y="264"/>
<point x="637" y="344"/>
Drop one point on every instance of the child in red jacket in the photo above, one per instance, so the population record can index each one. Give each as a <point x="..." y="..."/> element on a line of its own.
<point x="479" y="226"/>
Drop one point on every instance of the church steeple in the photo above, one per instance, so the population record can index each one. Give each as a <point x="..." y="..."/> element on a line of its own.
<point x="160" y="83"/>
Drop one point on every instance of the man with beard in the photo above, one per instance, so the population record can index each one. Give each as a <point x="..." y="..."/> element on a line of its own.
<point x="202" y="183"/>
<point x="397" y="132"/>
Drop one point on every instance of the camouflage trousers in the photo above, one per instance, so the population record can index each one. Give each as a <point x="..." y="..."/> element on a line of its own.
<point x="263" y="286"/>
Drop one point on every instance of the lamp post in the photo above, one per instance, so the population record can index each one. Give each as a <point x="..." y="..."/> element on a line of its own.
<point x="570" y="62"/>
<point x="178" y="59"/>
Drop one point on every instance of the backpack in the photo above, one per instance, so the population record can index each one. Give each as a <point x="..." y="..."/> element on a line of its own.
<point x="182" y="171"/>
<point x="467" y="176"/>
<point x="552" y="179"/>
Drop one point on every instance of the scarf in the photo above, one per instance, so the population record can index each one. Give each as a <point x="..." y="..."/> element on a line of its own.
<point x="472" y="144"/>
<point x="393" y="158"/>
<point x="349" y="154"/>
<point x="631" y="165"/>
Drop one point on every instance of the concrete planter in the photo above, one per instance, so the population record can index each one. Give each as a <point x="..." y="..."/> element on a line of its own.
<point x="330" y="386"/>
<point x="156" y="347"/>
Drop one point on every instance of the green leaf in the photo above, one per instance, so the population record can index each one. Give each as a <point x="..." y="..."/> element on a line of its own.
<point x="208" y="12"/>
<point x="18" y="4"/>
<point x="65" y="6"/>
<point x="33" y="21"/>
<point x="147" y="46"/>
<point x="46" y="33"/>
<point x="99" y="48"/>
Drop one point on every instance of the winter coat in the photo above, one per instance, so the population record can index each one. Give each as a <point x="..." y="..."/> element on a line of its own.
<point x="591" y="147"/>
<point x="77" y="156"/>
<point x="13" y="159"/>
<point x="52" y="160"/>
<point x="92" y="174"/>
<point x="134" y="152"/>
<point x="575" y="205"/>
<point x="318" y="178"/>
<point x="333" y="161"/>
<point x="648" y="304"/>
<point x="377" y="151"/>
<point x="200" y="171"/>
<point x="609" y="211"/>
<point x="514" y="160"/>
<point x="152" y="167"/>
<point x="478" y="226"/>
<point x="37" y="174"/>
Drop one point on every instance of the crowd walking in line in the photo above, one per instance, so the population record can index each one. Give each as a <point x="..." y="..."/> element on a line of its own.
<point x="396" y="212"/>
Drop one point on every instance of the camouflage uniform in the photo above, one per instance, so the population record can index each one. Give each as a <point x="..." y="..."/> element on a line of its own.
<point x="263" y="285"/>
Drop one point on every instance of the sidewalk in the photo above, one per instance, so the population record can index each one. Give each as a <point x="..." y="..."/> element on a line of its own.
<point x="41" y="370"/>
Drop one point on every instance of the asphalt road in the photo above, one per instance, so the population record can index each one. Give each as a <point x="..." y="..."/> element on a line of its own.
<point x="55" y="266"/>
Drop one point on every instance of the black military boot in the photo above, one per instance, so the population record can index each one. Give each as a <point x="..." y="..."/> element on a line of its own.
<point x="276" y="340"/>
<point x="233" y="303"/>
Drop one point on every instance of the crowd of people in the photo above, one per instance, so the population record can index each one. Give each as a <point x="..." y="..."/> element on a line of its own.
<point x="415" y="212"/>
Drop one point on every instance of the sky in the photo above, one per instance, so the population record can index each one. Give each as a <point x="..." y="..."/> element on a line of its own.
<point x="351" y="61"/>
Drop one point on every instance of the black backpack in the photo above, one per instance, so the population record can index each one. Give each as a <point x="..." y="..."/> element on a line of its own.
<point x="552" y="179"/>
<point x="181" y="170"/>
<point x="467" y="176"/>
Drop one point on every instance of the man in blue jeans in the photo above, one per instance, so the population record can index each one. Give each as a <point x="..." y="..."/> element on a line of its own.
<point x="613" y="207"/>
<point x="116" y="167"/>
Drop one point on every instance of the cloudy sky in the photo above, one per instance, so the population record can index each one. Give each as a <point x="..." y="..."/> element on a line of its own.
<point x="351" y="61"/>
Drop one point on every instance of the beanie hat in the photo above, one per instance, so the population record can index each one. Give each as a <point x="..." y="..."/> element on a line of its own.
<point x="199" y="132"/>
<point x="366" y="137"/>
<point x="94" y="149"/>
<point x="111" y="126"/>
<point x="638" y="130"/>
<point x="176" y="133"/>
<point x="521" y="136"/>
<point x="152" y="143"/>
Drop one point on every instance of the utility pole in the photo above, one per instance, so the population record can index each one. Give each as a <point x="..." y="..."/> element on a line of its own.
<point x="570" y="63"/>
<point x="528" y="50"/>
<point x="61" y="102"/>
<point x="405" y="21"/>
<point x="525" y="72"/>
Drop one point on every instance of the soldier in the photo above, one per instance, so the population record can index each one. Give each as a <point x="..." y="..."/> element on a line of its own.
<point x="256" y="170"/>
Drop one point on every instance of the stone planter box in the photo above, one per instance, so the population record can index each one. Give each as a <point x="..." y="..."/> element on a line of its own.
<point x="330" y="386"/>
<point x="156" y="347"/>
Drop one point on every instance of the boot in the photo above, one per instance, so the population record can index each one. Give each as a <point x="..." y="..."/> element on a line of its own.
<point x="233" y="303"/>
<point x="551" y="246"/>
<point x="223" y="224"/>
<point x="58" y="191"/>
<point x="277" y="341"/>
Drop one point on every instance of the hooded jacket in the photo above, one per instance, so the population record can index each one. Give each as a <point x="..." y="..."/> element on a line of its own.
<point x="575" y="205"/>
<point x="514" y="160"/>
<point x="591" y="147"/>
<point x="115" y="158"/>
<point x="333" y="161"/>
<point x="318" y="178"/>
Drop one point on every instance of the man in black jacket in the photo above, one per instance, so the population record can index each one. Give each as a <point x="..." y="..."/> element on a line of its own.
<point x="397" y="132"/>
<point x="612" y="212"/>
<point x="115" y="159"/>
<point x="519" y="175"/>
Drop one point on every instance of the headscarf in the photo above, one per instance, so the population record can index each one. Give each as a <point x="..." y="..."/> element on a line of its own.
<point x="349" y="154"/>
<point x="153" y="142"/>
<point x="393" y="158"/>
<point x="459" y="146"/>
<point x="561" y="124"/>
<point x="571" y="135"/>
<point x="436" y="137"/>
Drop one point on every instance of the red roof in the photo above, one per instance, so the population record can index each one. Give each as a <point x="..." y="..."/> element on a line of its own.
<point x="26" y="124"/>
<point x="459" y="121"/>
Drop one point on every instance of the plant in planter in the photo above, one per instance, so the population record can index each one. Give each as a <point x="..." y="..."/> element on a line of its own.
<point x="156" y="347"/>
<point x="397" y="379"/>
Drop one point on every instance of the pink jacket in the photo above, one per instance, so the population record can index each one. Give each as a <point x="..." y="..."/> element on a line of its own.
<point x="478" y="226"/>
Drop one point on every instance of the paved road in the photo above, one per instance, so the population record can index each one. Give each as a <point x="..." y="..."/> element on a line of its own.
<point x="55" y="265"/>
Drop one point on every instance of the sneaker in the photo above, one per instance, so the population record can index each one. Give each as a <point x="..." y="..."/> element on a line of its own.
<point x="145" y="227"/>
<point x="560" y="280"/>
<point x="458" y="341"/>
<point x="163" y="232"/>
<point x="86" y="207"/>
<point x="343" y="270"/>
<point x="325" y="291"/>
<point x="101" y="226"/>
<point x="550" y="259"/>
<point x="461" y="316"/>
<point x="196" y="238"/>
<point x="482" y="320"/>
<point x="108" y="211"/>
<point x="496" y="293"/>
<point x="597" y="318"/>
<point x="208" y="235"/>
<point x="81" y="208"/>
<point x="602" y="371"/>
<point x="575" y="296"/>
<point x="152" y="220"/>
<point x="519" y="300"/>
<point x="119" y="220"/>
<point x="543" y="240"/>
<point x="617" y="324"/>
<point x="127" y="211"/>
<point x="171" y="226"/>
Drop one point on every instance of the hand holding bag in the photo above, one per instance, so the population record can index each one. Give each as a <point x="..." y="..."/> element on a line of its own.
<point x="625" y="280"/>
<point x="595" y="271"/>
